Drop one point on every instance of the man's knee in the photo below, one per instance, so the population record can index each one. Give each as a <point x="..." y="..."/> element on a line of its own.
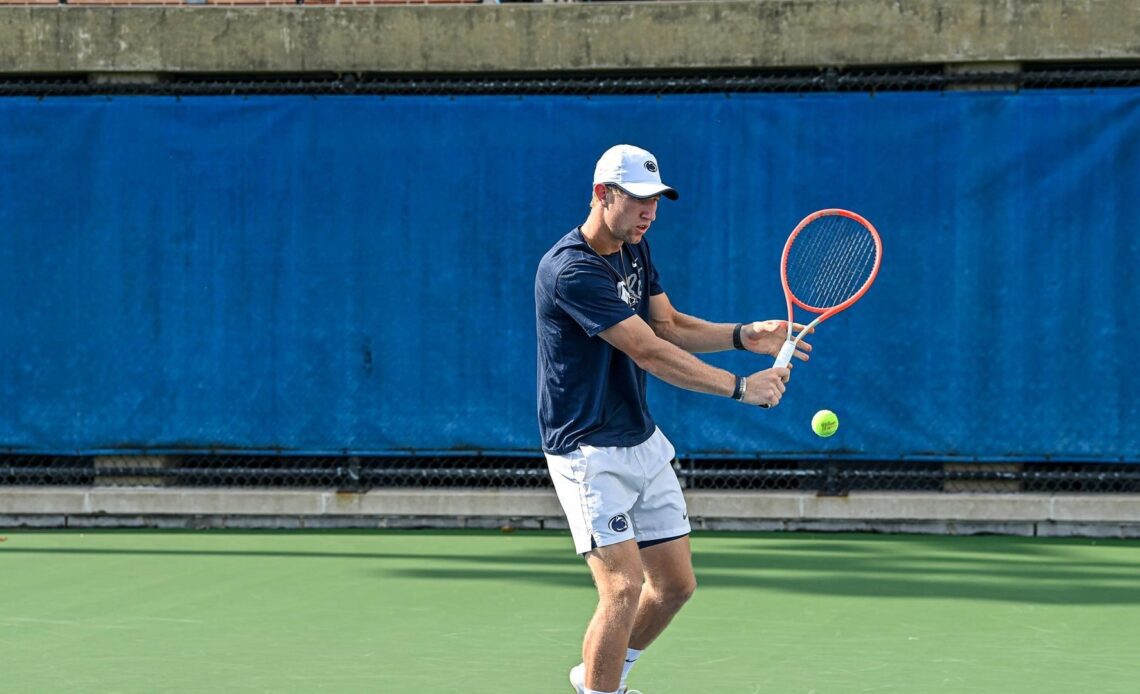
<point x="622" y="591"/>
<point x="673" y="595"/>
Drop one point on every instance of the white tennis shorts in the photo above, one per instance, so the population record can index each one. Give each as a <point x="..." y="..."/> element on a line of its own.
<point x="616" y="493"/>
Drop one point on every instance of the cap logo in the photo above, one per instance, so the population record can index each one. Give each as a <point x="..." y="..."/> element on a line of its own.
<point x="651" y="165"/>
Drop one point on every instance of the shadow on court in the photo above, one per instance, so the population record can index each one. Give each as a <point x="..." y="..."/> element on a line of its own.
<point x="1006" y="569"/>
<point x="1067" y="571"/>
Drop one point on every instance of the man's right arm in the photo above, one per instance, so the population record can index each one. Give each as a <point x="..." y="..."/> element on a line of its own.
<point x="677" y="367"/>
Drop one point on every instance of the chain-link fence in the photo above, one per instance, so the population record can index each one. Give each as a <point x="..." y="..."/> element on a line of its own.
<point x="363" y="473"/>
<point x="894" y="78"/>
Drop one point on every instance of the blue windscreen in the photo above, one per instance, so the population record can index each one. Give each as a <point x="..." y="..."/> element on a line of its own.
<point x="356" y="273"/>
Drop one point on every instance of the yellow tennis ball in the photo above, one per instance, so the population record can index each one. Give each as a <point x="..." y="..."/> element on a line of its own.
<point x="824" y="423"/>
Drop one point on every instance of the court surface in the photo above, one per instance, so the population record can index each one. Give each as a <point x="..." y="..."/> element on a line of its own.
<point x="484" y="611"/>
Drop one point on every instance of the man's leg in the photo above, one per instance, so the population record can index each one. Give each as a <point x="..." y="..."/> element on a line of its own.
<point x="617" y="571"/>
<point x="669" y="583"/>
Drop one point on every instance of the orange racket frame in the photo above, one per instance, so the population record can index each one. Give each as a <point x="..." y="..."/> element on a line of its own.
<point x="789" y="348"/>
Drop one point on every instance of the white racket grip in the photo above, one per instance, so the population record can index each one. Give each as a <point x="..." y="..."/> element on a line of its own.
<point x="785" y="356"/>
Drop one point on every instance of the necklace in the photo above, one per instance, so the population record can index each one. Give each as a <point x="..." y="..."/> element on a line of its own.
<point x="621" y="255"/>
<point x="625" y="284"/>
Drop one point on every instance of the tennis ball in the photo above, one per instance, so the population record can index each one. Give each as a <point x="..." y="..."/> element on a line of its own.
<point x="824" y="423"/>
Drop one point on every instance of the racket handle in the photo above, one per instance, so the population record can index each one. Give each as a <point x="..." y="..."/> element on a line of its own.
<point x="785" y="356"/>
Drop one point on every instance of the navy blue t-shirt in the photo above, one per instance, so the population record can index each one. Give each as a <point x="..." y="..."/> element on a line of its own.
<point x="588" y="391"/>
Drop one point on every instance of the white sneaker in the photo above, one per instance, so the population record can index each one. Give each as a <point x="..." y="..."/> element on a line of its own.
<point x="578" y="680"/>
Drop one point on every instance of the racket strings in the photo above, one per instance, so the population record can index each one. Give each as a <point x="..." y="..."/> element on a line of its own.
<point x="845" y="265"/>
<point x="841" y="267"/>
<point x="830" y="261"/>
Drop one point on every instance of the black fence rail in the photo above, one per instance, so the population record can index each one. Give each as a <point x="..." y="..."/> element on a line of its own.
<point x="831" y="79"/>
<point x="359" y="474"/>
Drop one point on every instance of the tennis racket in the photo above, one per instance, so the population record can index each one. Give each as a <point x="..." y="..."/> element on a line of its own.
<point x="830" y="261"/>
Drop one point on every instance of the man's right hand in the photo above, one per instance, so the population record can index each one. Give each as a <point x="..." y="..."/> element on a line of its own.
<point x="767" y="387"/>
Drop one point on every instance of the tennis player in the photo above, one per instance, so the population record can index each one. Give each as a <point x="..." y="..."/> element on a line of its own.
<point x="603" y="322"/>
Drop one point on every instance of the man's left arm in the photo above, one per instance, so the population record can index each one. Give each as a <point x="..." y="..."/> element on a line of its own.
<point x="695" y="335"/>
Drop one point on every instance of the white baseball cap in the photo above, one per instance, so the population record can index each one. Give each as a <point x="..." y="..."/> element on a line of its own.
<point x="633" y="170"/>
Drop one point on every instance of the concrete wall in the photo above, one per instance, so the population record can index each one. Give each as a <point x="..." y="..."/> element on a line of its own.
<point x="1075" y="515"/>
<point x="509" y="38"/>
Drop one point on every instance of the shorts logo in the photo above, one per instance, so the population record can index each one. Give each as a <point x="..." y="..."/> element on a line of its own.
<point x="619" y="523"/>
<point x="651" y="165"/>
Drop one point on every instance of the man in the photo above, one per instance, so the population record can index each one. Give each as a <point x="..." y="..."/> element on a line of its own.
<point x="603" y="322"/>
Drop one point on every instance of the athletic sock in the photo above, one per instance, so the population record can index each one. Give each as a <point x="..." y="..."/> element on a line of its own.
<point x="594" y="691"/>
<point x="631" y="657"/>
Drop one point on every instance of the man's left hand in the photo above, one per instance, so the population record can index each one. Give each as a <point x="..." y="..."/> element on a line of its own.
<point x="768" y="336"/>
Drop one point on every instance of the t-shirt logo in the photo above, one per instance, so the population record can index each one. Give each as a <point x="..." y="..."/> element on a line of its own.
<point x="629" y="290"/>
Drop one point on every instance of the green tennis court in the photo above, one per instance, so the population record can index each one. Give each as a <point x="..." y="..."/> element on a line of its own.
<point x="468" y="611"/>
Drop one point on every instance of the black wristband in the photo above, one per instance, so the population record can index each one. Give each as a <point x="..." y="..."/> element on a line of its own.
<point x="736" y="336"/>
<point x="741" y="386"/>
